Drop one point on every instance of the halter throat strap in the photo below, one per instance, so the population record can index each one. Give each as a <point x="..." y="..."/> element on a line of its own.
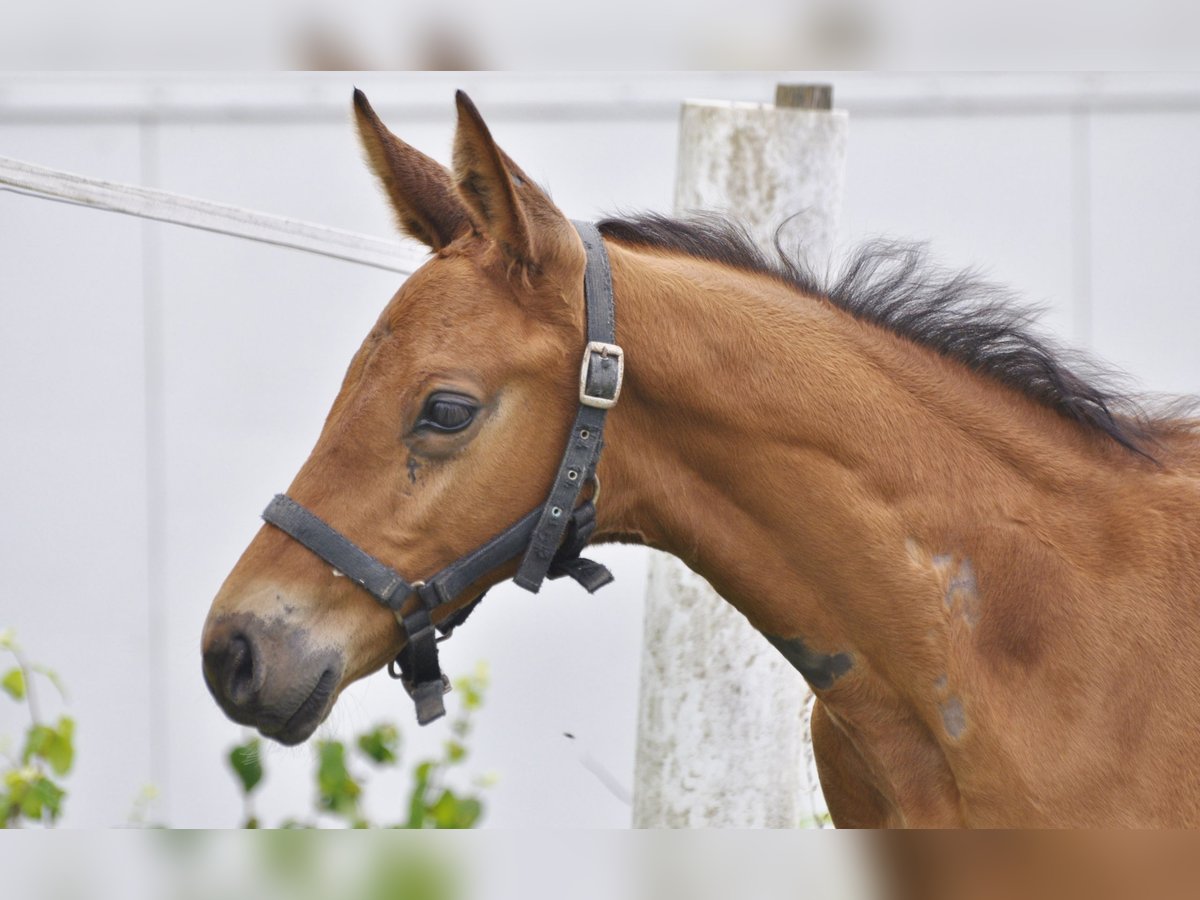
<point x="551" y="537"/>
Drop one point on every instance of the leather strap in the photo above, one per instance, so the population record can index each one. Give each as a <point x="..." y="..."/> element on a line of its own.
<point x="384" y="583"/>
<point x="585" y="440"/>
<point x="591" y="576"/>
<point x="421" y="671"/>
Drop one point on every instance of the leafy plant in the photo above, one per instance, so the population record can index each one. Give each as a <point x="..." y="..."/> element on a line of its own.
<point x="340" y="785"/>
<point x="31" y="793"/>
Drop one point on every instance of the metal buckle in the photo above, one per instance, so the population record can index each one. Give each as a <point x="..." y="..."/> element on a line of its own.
<point x="605" y="351"/>
<point x="416" y="589"/>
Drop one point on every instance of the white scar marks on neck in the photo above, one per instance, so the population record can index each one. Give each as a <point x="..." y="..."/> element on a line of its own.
<point x="954" y="577"/>
<point x="950" y="706"/>
<point x="963" y="593"/>
<point x="954" y="718"/>
<point x="960" y="591"/>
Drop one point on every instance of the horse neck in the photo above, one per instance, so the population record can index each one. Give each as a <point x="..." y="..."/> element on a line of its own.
<point x="812" y="466"/>
<point x="952" y="565"/>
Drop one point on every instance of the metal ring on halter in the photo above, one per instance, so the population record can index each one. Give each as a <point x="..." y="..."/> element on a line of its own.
<point x="595" y="489"/>
<point x="416" y="587"/>
<point x="391" y="666"/>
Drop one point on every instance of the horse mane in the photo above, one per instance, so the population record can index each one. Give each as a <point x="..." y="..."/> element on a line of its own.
<point x="957" y="314"/>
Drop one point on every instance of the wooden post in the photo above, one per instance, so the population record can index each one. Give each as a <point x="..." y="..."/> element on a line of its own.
<point x="722" y="728"/>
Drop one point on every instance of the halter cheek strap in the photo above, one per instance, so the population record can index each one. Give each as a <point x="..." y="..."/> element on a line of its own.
<point x="600" y="377"/>
<point x="551" y="536"/>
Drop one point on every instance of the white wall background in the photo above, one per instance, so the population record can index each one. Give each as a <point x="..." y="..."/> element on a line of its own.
<point x="158" y="385"/>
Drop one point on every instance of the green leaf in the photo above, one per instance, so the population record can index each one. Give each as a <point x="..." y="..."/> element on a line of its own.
<point x="31" y="804"/>
<point x="416" y="802"/>
<point x="61" y="753"/>
<point x="55" y="745"/>
<point x="18" y="782"/>
<point x="472" y="687"/>
<point x="49" y="796"/>
<point x="14" y="683"/>
<point x="37" y="739"/>
<point x="246" y="761"/>
<point x="452" y="811"/>
<point x="470" y="695"/>
<point x="381" y="745"/>
<point x="455" y="752"/>
<point x="339" y="791"/>
<point x="469" y="812"/>
<point x="8" y="639"/>
<point x="32" y="795"/>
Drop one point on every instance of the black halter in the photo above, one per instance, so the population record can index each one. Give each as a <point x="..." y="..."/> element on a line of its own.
<point x="551" y="536"/>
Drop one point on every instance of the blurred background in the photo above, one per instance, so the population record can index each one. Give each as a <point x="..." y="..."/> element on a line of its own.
<point x="159" y="384"/>
<point x="621" y="34"/>
<point x="591" y="865"/>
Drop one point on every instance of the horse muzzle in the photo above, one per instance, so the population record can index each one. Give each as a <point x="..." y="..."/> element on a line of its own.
<point x="269" y="675"/>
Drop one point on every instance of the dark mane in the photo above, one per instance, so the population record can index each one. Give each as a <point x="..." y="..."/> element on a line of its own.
<point x="957" y="314"/>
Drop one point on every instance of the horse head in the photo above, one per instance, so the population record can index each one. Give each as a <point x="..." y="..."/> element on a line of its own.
<point x="447" y="428"/>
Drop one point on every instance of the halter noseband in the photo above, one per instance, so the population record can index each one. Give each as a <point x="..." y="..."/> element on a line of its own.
<point x="551" y="536"/>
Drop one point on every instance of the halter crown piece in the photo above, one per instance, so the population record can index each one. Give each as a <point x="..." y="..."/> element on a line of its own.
<point x="551" y="536"/>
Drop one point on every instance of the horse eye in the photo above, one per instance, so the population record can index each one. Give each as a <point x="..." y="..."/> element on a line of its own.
<point x="447" y="412"/>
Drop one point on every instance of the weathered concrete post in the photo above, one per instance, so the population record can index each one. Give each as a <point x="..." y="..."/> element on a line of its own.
<point x="722" y="732"/>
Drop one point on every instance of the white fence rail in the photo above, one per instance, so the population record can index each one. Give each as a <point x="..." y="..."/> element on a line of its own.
<point x="192" y="212"/>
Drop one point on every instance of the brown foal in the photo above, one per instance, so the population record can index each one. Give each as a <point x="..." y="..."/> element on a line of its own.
<point x="988" y="573"/>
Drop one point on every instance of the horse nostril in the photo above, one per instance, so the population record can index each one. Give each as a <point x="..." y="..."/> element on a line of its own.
<point x="239" y="668"/>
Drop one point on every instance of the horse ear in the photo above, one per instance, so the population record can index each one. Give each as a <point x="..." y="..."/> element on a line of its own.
<point x="421" y="190"/>
<point x="505" y="203"/>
